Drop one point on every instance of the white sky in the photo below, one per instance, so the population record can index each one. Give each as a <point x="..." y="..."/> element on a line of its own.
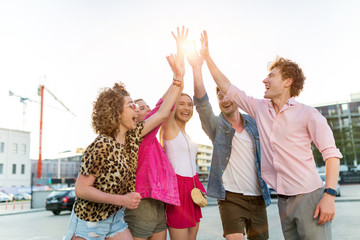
<point x="84" y="45"/>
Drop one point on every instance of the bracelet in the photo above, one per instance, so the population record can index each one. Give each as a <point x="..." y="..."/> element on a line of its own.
<point x="177" y="83"/>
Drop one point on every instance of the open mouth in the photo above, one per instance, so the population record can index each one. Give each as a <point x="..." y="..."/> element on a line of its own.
<point x="227" y="105"/>
<point x="185" y="114"/>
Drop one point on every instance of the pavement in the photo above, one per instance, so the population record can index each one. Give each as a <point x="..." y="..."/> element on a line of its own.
<point x="349" y="193"/>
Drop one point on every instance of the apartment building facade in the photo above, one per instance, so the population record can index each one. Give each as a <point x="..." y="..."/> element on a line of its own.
<point x="15" y="167"/>
<point x="344" y="120"/>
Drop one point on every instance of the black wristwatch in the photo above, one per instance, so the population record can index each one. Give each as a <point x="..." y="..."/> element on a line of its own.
<point x="330" y="191"/>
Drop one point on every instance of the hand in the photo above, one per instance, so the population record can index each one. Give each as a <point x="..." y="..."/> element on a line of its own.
<point x="177" y="66"/>
<point x="193" y="57"/>
<point x="204" y="51"/>
<point x="131" y="200"/>
<point x="326" y="209"/>
<point x="180" y="41"/>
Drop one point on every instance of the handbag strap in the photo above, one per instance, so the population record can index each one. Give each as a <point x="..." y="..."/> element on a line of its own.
<point x="192" y="170"/>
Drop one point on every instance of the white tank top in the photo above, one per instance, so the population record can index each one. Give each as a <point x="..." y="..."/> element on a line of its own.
<point x="177" y="151"/>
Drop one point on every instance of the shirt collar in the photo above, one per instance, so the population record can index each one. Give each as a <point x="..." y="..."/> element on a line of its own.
<point x="291" y="102"/>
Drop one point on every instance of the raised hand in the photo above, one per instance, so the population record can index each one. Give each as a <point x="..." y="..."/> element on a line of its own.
<point x="131" y="200"/>
<point x="177" y="66"/>
<point x="193" y="57"/>
<point x="204" y="51"/>
<point x="180" y="39"/>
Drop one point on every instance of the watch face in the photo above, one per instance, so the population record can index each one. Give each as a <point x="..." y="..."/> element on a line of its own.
<point x="330" y="191"/>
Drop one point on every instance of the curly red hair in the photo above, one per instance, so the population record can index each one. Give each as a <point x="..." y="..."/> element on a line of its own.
<point x="107" y="110"/>
<point x="290" y="69"/>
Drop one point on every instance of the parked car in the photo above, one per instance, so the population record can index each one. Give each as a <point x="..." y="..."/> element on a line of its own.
<point x="338" y="193"/>
<point x="21" y="196"/>
<point x="60" y="200"/>
<point x="4" y="197"/>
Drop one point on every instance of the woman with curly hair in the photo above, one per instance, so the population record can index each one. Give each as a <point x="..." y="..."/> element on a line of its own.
<point x="106" y="183"/>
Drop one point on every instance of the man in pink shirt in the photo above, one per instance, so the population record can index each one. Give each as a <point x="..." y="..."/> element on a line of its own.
<point x="286" y="129"/>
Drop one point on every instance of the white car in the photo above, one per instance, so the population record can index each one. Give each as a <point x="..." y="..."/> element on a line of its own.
<point x="4" y="197"/>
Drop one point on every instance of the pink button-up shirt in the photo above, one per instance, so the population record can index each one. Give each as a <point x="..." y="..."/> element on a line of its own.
<point x="155" y="176"/>
<point x="287" y="162"/>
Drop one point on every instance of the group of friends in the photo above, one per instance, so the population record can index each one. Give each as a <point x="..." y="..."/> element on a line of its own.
<point x="133" y="186"/>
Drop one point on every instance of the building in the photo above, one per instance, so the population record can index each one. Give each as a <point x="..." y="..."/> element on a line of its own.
<point x="203" y="161"/>
<point x="14" y="158"/>
<point x="344" y="120"/>
<point x="67" y="166"/>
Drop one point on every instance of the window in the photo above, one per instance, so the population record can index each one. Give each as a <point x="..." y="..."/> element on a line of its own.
<point x="344" y="108"/>
<point x="14" y="169"/>
<point x="22" y="168"/>
<point x="23" y="149"/>
<point x="1" y="168"/>
<point x="2" y="147"/>
<point x="15" y="148"/>
<point x="332" y="110"/>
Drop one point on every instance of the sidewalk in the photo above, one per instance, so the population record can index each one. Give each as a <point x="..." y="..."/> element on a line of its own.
<point x="349" y="193"/>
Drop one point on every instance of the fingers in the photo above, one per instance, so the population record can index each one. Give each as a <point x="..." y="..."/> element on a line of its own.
<point x="171" y="60"/>
<point x="135" y="199"/>
<point x="324" y="218"/>
<point x="174" y="35"/>
<point x="194" y="46"/>
<point x="316" y="211"/>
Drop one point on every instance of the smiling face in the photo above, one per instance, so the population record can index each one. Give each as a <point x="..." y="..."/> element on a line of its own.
<point x="184" y="108"/>
<point x="144" y="109"/>
<point x="129" y="115"/>
<point x="227" y="106"/>
<point x="275" y="85"/>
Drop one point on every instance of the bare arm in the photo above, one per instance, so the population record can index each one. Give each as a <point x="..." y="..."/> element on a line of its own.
<point x="220" y="79"/>
<point x="177" y="65"/>
<point x="325" y="209"/>
<point x="84" y="189"/>
<point x="196" y="62"/>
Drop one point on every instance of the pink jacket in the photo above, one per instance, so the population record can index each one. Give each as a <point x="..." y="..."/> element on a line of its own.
<point x="155" y="176"/>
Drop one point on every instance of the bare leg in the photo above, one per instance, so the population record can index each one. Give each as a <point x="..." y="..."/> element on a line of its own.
<point x="193" y="231"/>
<point x="235" y="236"/>
<point x="178" y="234"/>
<point x="158" y="236"/>
<point x="77" y="238"/>
<point x="125" y="235"/>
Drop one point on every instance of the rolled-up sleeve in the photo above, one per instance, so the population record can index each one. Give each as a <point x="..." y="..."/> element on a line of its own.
<point x="246" y="103"/>
<point x="322" y="136"/>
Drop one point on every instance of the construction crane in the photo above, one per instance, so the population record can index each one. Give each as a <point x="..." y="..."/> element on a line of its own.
<point x="24" y="101"/>
<point x="41" y="94"/>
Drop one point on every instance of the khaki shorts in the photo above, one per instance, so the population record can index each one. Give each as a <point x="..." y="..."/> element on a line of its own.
<point x="147" y="219"/>
<point x="244" y="214"/>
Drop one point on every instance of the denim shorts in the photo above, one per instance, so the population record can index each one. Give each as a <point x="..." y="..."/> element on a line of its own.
<point x="96" y="230"/>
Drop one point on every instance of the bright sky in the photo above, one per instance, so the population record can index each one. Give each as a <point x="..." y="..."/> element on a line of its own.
<point x="76" y="47"/>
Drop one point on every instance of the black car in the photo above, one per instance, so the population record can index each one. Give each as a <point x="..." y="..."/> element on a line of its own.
<point x="60" y="200"/>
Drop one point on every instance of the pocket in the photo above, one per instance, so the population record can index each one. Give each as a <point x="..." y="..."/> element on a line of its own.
<point x="222" y="136"/>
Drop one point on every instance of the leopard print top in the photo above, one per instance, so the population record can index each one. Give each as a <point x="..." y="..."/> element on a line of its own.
<point x="114" y="166"/>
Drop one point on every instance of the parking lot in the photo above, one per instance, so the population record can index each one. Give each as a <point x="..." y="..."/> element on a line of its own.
<point x="26" y="224"/>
